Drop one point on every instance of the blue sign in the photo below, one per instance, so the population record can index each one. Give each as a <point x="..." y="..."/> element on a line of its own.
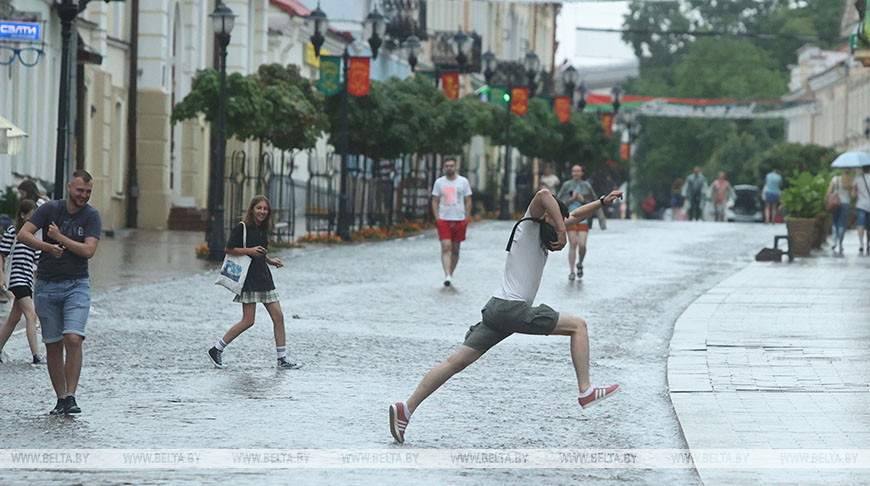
<point x="21" y="31"/>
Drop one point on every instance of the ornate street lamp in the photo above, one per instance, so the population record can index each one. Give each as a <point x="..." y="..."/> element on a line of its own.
<point x="222" y="21"/>
<point x="583" y="91"/>
<point x="531" y="63"/>
<point x="463" y="48"/>
<point x="569" y="79"/>
<point x="412" y="45"/>
<point x="633" y="129"/>
<point x="378" y="25"/>
<point x="490" y="64"/>
<point x="376" y="22"/>
<point x="617" y="98"/>
<point x="319" y="18"/>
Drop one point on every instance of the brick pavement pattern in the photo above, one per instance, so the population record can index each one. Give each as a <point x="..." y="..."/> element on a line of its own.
<point x="777" y="356"/>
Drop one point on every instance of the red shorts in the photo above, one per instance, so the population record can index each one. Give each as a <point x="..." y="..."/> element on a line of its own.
<point x="452" y="230"/>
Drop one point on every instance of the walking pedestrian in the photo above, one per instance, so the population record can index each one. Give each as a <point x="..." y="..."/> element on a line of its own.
<point x="28" y="190"/>
<point x="720" y="192"/>
<point x="649" y="206"/>
<point x="549" y="180"/>
<point x="861" y="190"/>
<point x="574" y="193"/>
<point x="451" y="206"/>
<point x="19" y="281"/>
<point x="677" y="200"/>
<point x="542" y="229"/>
<point x="251" y="238"/>
<point x="772" y="189"/>
<point x="694" y="191"/>
<point x="71" y="233"/>
<point x="841" y="185"/>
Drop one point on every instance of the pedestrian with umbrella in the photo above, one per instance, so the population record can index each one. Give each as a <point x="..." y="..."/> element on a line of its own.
<point x="860" y="190"/>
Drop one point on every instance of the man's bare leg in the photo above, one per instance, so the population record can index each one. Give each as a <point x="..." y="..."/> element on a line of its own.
<point x="454" y="255"/>
<point x="438" y="375"/>
<point x="575" y="327"/>
<point x="446" y="257"/>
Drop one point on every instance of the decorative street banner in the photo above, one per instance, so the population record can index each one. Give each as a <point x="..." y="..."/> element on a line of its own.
<point x="450" y="82"/>
<point x="496" y="95"/>
<point x="624" y="150"/>
<point x="358" y="83"/>
<point x="703" y="107"/>
<point x="520" y="101"/>
<point x="329" y="83"/>
<point x="562" y="105"/>
<point x="607" y="123"/>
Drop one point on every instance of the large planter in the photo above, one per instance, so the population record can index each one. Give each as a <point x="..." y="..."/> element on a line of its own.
<point x="802" y="232"/>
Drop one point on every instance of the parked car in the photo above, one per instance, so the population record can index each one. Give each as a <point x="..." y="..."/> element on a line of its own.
<point x="747" y="207"/>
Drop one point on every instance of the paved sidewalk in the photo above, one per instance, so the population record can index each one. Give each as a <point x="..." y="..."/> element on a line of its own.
<point x="777" y="356"/>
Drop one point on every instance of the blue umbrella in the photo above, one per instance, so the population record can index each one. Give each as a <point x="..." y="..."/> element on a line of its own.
<point x="848" y="160"/>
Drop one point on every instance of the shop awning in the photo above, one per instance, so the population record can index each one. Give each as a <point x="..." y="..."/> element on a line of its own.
<point x="11" y="138"/>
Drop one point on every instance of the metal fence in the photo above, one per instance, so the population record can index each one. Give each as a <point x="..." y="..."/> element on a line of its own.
<point x="271" y="176"/>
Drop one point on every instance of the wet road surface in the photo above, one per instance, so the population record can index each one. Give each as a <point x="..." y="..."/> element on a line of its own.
<point x="369" y="321"/>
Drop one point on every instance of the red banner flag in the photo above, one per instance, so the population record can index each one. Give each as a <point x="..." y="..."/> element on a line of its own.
<point x="624" y="150"/>
<point x="358" y="77"/>
<point x="607" y="123"/>
<point x="450" y="82"/>
<point x="563" y="108"/>
<point x="520" y="101"/>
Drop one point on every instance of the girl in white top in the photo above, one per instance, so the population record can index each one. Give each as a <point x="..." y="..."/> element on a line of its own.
<point x="861" y="190"/>
<point x="842" y="186"/>
<point x="20" y="276"/>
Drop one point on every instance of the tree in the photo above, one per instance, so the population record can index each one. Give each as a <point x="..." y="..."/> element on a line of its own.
<point x="296" y="117"/>
<point x="246" y="107"/>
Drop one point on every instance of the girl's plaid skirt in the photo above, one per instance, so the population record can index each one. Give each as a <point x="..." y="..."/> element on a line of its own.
<point x="263" y="297"/>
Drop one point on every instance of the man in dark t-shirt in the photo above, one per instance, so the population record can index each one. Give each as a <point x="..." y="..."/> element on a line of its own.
<point x="62" y="297"/>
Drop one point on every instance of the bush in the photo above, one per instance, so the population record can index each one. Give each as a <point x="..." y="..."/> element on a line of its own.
<point x="805" y="195"/>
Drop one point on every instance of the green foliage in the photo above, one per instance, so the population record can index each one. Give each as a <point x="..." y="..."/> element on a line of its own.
<point x="296" y="117"/>
<point x="788" y="157"/>
<point x="10" y="203"/>
<point x="805" y="195"/>
<point x="246" y="107"/>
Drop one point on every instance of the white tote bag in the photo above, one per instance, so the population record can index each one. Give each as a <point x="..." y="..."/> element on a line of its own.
<point x="235" y="268"/>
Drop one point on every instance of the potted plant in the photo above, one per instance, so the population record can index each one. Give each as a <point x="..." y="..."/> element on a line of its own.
<point x="804" y="201"/>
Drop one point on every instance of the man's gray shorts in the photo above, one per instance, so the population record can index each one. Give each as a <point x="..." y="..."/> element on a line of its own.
<point x="501" y="318"/>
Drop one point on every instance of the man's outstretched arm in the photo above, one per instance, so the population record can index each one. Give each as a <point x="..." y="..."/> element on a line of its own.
<point x="585" y="211"/>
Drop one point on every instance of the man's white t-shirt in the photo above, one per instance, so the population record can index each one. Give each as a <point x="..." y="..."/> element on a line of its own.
<point x="525" y="264"/>
<point x="451" y="194"/>
<point x="862" y="183"/>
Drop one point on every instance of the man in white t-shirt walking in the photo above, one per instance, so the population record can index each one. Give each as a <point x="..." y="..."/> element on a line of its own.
<point x="510" y="309"/>
<point x="451" y="205"/>
<point x="861" y="191"/>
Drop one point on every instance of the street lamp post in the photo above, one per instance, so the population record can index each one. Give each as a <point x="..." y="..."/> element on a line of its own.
<point x="581" y="104"/>
<point x="867" y="127"/>
<point x="463" y="48"/>
<point x="377" y="22"/>
<point x="569" y="79"/>
<point x="632" y="127"/>
<point x="412" y="45"/>
<point x="617" y="98"/>
<point x="67" y="10"/>
<point x="222" y="20"/>
<point x="529" y="66"/>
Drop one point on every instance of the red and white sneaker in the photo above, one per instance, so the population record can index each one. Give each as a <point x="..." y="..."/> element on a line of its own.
<point x="598" y="394"/>
<point x="398" y="421"/>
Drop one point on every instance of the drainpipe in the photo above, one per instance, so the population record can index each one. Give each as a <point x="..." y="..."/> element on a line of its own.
<point x="132" y="95"/>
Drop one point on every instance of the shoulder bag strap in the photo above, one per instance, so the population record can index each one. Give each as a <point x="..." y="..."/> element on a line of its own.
<point x="244" y="234"/>
<point x="513" y="233"/>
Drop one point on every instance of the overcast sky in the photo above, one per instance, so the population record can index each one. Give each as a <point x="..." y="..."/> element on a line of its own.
<point x="591" y="48"/>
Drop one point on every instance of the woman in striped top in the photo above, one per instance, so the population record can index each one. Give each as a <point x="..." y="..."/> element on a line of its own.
<point x="20" y="281"/>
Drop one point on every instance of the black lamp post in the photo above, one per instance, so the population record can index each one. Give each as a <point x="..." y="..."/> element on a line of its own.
<point x="617" y="98"/>
<point x="867" y="127"/>
<point x="378" y="26"/>
<point x="531" y="63"/>
<point x="412" y="45"/>
<point x="222" y="21"/>
<point x="529" y="66"/>
<point x="633" y="129"/>
<point x="583" y="91"/>
<point x="67" y="10"/>
<point x="569" y="79"/>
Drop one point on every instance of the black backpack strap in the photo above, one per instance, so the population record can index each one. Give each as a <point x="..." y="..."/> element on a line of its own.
<point x="513" y="233"/>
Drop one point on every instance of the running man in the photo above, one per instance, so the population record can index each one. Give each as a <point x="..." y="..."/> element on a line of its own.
<point x="70" y="235"/>
<point x="451" y="205"/>
<point x="510" y="309"/>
